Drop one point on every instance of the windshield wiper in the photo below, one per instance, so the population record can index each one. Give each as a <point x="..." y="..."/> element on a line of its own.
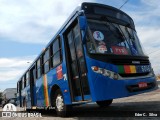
<point x="120" y="32"/>
<point x="111" y="24"/>
<point x="131" y="37"/>
<point x="129" y="34"/>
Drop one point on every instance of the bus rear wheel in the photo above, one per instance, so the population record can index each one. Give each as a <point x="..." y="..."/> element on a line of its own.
<point x="62" y="110"/>
<point x="104" y="103"/>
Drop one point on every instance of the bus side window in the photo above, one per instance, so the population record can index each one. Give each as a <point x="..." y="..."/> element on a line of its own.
<point x="56" y="56"/>
<point x="34" y="74"/>
<point x="17" y="87"/>
<point x="24" y="81"/>
<point x="27" y="78"/>
<point x="45" y="64"/>
<point x="20" y="85"/>
<point x="38" y="64"/>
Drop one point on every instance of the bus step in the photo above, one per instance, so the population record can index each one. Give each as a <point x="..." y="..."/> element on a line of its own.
<point x="86" y="101"/>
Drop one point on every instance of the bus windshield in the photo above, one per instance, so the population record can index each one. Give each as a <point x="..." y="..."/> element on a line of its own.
<point x="105" y="37"/>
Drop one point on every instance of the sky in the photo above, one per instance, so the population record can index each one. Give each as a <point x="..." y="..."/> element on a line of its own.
<point x="27" y="26"/>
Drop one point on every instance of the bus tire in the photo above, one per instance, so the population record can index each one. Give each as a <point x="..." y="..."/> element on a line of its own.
<point x="62" y="110"/>
<point x="104" y="103"/>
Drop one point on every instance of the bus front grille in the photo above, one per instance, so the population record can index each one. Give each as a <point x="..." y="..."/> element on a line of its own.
<point x="130" y="62"/>
<point x="134" y="75"/>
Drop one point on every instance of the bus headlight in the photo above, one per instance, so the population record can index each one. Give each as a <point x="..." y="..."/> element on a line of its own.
<point x="115" y="76"/>
<point x="105" y="72"/>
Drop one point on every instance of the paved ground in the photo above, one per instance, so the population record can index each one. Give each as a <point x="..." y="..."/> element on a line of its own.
<point x="131" y="105"/>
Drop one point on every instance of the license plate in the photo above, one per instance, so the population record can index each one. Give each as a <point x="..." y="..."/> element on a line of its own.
<point x="142" y="85"/>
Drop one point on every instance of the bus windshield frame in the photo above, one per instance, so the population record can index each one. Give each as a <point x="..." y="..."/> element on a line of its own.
<point x="107" y="37"/>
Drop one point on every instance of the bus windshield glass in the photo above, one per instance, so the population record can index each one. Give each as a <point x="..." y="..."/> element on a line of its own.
<point x="105" y="37"/>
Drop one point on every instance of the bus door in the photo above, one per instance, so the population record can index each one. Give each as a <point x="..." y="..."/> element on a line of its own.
<point x="33" y="86"/>
<point x="76" y="66"/>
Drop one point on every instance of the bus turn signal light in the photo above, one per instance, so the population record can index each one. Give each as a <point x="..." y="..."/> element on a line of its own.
<point x="105" y="72"/>
<point x="95" y="68"/>
<point x="65" y="91"/>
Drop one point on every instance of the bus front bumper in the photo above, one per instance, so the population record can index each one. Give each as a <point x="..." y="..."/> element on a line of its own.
<point x="106" y="89"/>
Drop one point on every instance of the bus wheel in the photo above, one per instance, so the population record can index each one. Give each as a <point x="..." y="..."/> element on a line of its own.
<point x="62" y="110"/>
<point x="104" y="103"/>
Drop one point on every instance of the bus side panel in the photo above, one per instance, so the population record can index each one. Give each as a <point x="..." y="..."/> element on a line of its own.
<point x="27" y="97"/>
<point x="62" y="83"/>
<point x="39" y="92"/>
<point x="43" y="91"/>
<point x="51" y="79"/>
<point x="23" y="96"/>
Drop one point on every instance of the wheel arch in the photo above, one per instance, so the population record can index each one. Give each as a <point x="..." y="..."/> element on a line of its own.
<point x="53" y="91"/>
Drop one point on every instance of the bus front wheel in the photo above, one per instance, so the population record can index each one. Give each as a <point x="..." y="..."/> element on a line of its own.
<point x="62" y="110"/>
<point x="104" y="103"/>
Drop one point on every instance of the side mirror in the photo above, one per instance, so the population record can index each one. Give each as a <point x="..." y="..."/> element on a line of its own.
<point x="83" y="27"/>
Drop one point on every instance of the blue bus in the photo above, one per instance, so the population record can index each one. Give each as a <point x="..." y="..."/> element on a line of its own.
<point x="96" y="56"/>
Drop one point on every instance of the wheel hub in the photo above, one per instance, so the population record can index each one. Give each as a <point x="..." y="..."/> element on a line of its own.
<point x="59" y="103"/>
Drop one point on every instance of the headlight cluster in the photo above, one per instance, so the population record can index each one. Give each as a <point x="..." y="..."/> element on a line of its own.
<point x="105" y="72"/>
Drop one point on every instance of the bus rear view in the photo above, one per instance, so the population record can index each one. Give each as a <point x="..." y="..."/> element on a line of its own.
<point x="117" y="65"/>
